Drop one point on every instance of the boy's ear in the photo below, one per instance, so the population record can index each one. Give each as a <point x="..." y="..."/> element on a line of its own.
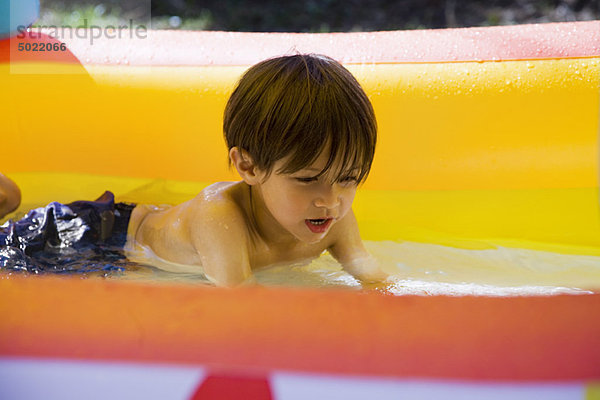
<point x="245" y="166"/>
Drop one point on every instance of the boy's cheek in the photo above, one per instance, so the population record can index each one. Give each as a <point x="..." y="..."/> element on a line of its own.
<point x="295" y="199"/>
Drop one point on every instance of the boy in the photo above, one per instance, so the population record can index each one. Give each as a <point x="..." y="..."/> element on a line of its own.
<point x="301" y="133"/>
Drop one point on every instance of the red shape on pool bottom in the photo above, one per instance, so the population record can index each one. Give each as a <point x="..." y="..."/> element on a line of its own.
<point x="227" y="387"/>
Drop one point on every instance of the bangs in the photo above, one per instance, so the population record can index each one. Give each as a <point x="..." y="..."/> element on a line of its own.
<point x="346" y="155"/>
<point x="333" y="113"/>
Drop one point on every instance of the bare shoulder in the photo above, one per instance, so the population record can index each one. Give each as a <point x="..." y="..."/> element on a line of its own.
<point x="216" y="205"/>
<point x="217" y="201"/>
<point x="219" y="234"/>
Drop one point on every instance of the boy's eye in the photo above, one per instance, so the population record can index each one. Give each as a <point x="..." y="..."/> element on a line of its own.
<point x="306" y="180"/>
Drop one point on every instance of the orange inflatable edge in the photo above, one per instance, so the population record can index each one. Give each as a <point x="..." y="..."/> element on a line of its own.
<point x="335" y="331"/>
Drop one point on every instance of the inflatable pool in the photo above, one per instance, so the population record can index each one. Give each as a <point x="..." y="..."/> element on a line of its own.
<point x="488" y="144"/>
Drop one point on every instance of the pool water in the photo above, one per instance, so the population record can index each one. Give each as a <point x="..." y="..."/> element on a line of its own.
<point x="416" y="268"/>
<point x="446" y="265"/>
<point x="428" y="269"/>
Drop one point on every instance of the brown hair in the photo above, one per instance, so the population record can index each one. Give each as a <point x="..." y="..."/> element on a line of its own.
<point x="295" y="105"/>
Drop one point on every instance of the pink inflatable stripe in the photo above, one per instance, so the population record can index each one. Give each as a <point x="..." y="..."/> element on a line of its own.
<point x="170" y="48"/>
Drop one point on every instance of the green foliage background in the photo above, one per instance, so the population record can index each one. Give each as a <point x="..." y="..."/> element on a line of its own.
<point x="316" y="16"/>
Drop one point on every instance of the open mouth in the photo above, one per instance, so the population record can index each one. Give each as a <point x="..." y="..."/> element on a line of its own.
<point x="318" y="225"/>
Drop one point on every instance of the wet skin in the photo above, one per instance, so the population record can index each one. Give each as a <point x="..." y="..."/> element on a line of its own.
<point x="231" y="228"/>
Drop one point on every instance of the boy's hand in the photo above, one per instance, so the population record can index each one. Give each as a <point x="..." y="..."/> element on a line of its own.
<point x="385" y="287"/>
<point x="366" y="269"/>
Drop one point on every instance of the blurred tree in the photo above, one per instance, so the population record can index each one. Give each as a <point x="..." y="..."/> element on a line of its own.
<point x="334" y="15"/>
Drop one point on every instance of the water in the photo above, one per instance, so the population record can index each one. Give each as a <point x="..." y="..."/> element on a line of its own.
<point x="416" y="268"/>
<point x="430" y="269"/>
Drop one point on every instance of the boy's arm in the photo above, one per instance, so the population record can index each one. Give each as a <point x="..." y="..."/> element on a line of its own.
<point x="219" y="236"/>
<point x="349" y="250"/>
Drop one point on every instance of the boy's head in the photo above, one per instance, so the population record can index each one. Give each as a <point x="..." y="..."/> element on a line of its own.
<point x="293" y="107"/>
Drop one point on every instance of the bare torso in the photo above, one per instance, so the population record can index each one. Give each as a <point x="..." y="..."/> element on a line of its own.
<point x="166" y="230"/>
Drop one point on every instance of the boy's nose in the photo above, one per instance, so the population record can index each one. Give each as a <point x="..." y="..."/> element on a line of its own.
<point x="328" y="198"/>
